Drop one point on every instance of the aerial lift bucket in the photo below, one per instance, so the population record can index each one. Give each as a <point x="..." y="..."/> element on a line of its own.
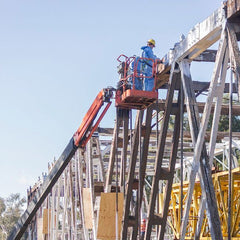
<point x="127" y="96"/>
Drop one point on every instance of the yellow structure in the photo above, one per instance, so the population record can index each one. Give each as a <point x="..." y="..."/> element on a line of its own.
<point x="220" y="181"/>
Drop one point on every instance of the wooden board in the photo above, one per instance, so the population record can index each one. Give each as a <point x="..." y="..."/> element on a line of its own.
<point x="87" y="208"/>
<point x="161" y="202"/>
<point x="107" y="216"/>
<point x="46" y="217"/>
<point x="163" y="74"/>
<point x="40" y="229"/>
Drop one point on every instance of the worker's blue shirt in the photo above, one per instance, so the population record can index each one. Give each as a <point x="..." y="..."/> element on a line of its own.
<point x="148" y="52"/>
<point x="147" y="67"/>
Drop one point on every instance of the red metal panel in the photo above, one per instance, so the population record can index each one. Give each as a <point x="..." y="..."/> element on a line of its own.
<point x="136" y="99"/>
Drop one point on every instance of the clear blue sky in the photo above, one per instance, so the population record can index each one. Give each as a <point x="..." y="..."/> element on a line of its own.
<point x="55" y="56"/>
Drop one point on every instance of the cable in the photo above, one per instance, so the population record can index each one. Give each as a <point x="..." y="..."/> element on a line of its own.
<point x="116" y="161"/>
<point x="229" y="223"/>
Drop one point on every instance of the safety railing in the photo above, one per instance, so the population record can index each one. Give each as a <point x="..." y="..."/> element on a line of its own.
<point x="134" y="71"/>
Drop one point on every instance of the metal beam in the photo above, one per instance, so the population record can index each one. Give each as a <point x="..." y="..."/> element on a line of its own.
<point x="217" y="89"/>
<point x="160" y="151"/>
<point x="132" y="165"/>
<point x="200" y="154"/>
<point x="171" y="169"/>
<point x="111" y="160"/>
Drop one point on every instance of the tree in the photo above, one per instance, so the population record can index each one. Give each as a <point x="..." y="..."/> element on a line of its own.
<point x="223" y="125"/>
<point x="224" y="119"/>
<point x="11" y="209"/>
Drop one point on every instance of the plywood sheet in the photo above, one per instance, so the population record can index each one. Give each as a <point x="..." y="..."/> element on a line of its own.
<point x="87" y="208"/>
<point x="107" y="216"/>
<point x="46" y="217"/>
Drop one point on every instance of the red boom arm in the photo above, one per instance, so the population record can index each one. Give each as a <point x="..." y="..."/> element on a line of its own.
<point x="87" y="128"/>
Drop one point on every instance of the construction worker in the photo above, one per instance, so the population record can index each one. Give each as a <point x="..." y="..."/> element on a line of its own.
<point x="143" y="228"/>
<point x="147" y="64"/>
